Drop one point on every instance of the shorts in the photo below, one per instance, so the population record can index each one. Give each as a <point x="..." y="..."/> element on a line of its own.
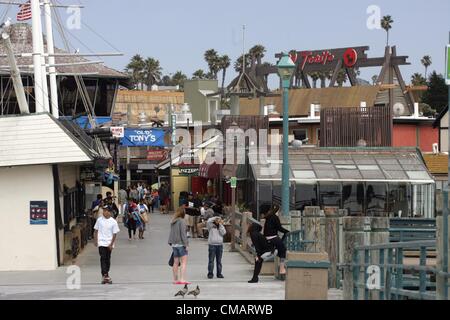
<point x="179" y="252"/>
<point x="190" y="220"/>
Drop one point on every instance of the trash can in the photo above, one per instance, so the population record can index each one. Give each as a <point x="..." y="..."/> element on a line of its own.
<point x="307" y="276"/>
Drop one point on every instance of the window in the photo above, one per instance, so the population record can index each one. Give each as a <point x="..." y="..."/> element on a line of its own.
<point x="376" y="195"/>
<point x="353" y="198"/>
<point x="305" y="196"/>
<point x="300" y="134"/>
<point x="318" y="136"/>
<point x="330" y="195"/>
<point x="212" y="111"/>
<point x="399" y="199"/>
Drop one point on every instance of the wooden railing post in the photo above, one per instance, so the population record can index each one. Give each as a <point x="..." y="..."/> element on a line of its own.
<point x="233" y="229"/>
<point x="244" y="226"/>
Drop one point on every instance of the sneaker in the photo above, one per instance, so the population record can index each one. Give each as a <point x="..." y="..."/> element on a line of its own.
<point x="210" y="276"/>
<point x="253" y="280"/>
<point x="220" y="276"/>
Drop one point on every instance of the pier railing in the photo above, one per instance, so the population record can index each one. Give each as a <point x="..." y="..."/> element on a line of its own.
<point x="387" y="272"/>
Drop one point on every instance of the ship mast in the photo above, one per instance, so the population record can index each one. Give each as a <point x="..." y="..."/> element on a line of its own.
<point x="37" y="56"/>
<point x="51" y="59"/>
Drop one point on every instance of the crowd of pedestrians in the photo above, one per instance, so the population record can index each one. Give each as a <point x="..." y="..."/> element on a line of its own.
<point x="194" y="218"/>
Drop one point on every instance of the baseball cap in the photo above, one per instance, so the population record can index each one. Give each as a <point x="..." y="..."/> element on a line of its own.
<point x="107" y="208"/>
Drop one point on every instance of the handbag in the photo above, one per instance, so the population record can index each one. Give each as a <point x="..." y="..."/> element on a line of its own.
<point x="144" y="217"/>
<point x="171" y="260"/>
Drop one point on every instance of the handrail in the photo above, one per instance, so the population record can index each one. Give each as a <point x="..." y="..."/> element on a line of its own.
<point x="394" y="245"/>
<point x="397" y="279"/>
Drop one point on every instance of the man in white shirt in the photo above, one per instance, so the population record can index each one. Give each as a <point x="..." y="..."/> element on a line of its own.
<point x="106" y="230"/>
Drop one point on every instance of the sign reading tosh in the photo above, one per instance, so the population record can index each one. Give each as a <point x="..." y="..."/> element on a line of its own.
<point x="143" y="137"/>
<point x="328" y="59"/>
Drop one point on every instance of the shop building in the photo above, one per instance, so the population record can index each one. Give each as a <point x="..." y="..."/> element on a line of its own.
<point x="40" y="166"/>
<point x="390" y="182"/>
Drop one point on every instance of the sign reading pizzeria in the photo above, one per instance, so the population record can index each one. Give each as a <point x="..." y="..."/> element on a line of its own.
<point x="189" y="171"/>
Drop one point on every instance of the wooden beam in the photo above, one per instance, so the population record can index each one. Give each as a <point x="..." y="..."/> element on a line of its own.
<point x="408" y="95"/>
<point x="351" y="76"/>
<point x="335" y="73"/>
<point x="306" y="80"/>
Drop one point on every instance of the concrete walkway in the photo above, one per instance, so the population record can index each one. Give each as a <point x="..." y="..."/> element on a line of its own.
<point x="140" y="271"/>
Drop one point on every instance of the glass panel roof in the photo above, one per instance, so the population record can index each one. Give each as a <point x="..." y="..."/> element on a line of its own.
<point x="390" y="165"/>
<point x="304" y="174"/>
<point x="350" y="174"/>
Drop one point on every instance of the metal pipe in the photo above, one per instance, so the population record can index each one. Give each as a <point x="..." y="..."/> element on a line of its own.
<point x="37" y="53"/>
<point x="43" y="64"/>
<point x="15" y="75"/>
<point x="285" y="170"/>
<point x="51" y="59"/>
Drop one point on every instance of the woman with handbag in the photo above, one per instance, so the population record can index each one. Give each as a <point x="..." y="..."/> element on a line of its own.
<point x="143" y="215"/>
<point x="132" y="219"/>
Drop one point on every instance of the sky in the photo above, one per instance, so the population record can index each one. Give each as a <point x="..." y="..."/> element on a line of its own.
<point x="178" y="32"/>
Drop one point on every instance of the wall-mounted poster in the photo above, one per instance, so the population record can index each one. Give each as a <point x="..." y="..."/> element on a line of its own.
<point x="38" y="212"/>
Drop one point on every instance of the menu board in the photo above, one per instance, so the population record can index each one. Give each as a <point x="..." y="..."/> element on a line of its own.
<point x="38" y="212"/>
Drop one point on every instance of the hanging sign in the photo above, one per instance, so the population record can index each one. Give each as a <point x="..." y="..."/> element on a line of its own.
<point x="233" y="182"/>
<point x="38" y="212"/>
<point x="118" y="132"/>
<point x="157" y="155"/>
<point x="188" y="171"/>
<point x="143" y="137"/>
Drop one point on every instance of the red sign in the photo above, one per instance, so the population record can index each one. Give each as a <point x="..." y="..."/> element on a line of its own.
<point x="350" y="57"/>
<point x="293" y="56"/>
<point x="310" y="58"/>
<point x="157" y="155"/>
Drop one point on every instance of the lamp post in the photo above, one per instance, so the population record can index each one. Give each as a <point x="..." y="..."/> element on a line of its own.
<point x="286" y="69"/>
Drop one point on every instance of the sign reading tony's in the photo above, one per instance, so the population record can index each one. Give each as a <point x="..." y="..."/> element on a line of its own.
<point x="143" y="137"/>
<point x="38" y="212"/>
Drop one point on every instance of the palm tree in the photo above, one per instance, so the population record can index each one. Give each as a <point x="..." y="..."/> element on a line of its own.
<point x="239" y="62"/>
<point x="386" y="24"/>
<point x="374" y="79"/>
<point x="152" y="72"/>
<point x="418" y="80"/>
<point x="314" y="76"/>
<point x="178" y="79"/>
<point x="341" y="77"/>
<point x="257" y="53"/>
<point x="166" y="80"/>
<point x="199" y="74"/>
<point x="224" y="62"/>
<point x="426" y="61"/>
<point x="212" y="59"/>
<point x="136" y="69"/>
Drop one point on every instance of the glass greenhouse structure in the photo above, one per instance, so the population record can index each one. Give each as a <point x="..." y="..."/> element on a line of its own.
<point x="390" y="182"/>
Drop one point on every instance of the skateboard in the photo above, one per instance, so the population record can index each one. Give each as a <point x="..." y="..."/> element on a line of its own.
<point x="106" y="281"/>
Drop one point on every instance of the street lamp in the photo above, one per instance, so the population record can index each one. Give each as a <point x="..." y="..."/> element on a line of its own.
<point x="286" y="69"/>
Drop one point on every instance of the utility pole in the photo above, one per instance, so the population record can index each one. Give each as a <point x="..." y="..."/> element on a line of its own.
<point x="446" y="209"/>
